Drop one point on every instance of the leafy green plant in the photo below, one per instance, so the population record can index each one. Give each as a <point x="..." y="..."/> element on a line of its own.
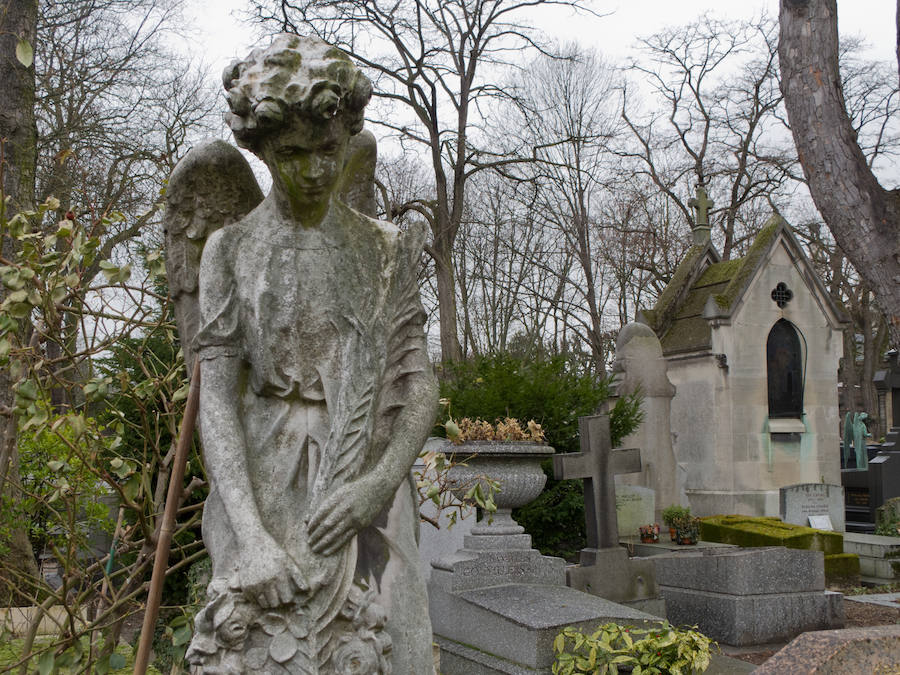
<point x="675" y="512"/>
<point x="100" y="391"/>
<point x="888" y="527"/>
<point x="657" y="649"/>
<point x="687" y="530"/>
<point x="433" y="484"/>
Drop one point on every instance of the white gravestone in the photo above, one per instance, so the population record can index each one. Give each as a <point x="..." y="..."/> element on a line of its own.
<point x="802" y="503"/>
<point x="635" y="506"/>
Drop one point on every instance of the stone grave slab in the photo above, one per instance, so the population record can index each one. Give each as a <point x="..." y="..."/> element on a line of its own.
<point x="748" y="596"/>
<point x="497" y="604"/>
<point x="879" y="557"/>
<point x="635" y="506"/>
<point x="497" y="610"/>
<point x="799" y="502"/>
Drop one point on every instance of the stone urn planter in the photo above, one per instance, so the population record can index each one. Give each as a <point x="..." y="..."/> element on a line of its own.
<point x="515" y="465"/>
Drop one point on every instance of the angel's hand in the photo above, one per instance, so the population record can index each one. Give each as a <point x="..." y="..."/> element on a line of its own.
<point x="268" y="575"/>
<point x="339" y="517"/>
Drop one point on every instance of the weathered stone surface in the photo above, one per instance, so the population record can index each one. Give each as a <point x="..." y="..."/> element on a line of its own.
<point x="497" y="604"/>
<point x="640" y="366"/>
<point x="799" y="502"/>
<point x="879" y="557"/>
<point x="748" y="596"/>
<point x="316" y="392"/>
<point x="613" y="576"/>
<point x="517" y="623"/>
<point x="742" y="571"/>
<point x="751" y="620"/>
<point x="604" y="569"/>
<point x="838" y="652"/>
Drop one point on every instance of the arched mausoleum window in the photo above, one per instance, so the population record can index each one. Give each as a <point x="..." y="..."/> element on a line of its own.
<point x="784" y="367"/>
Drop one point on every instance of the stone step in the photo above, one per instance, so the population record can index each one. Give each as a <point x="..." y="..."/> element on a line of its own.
<point x="871" y="545"/>
<point x="880" y="568"/>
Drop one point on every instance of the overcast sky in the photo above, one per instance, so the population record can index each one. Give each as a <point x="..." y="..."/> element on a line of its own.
<point x="220" y="37"/>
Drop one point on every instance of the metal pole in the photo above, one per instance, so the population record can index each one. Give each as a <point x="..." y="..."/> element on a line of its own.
<point x="167" y="529"/>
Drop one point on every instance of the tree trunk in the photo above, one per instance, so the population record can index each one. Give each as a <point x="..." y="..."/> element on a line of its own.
<point x="18" y="136"/>
<point x="861" y="214"/>
<point x="451" y="350"/>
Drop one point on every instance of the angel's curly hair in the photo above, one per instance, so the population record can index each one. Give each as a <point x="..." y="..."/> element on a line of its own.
<point x="295" y="76"/>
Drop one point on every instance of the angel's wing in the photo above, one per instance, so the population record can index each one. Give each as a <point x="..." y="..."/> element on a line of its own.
<point x="357" y="188"/>
<point x="213" y="185"/>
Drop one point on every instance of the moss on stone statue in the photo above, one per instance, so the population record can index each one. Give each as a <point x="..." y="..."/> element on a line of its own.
<point x="719" y="272"/>
<point x="687" y="334"/>
<point x="840" y="568"/>
<point x="761" y="531"/>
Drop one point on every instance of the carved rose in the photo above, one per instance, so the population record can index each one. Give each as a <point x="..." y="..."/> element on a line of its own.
<point x="356" y="657"/>
<point x="232" y="623"/>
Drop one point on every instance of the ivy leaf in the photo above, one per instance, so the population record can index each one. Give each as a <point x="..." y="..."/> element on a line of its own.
<point x="181" y="393"/>
<point x="24" y="52"/>
<point x="117" y="661"/>
<point x="45" y="663"/>
<point x="132" y="488"/>
<point x="182" y="636"/>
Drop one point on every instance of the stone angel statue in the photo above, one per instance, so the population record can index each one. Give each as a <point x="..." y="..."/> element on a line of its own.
<point x="316" y="393"/>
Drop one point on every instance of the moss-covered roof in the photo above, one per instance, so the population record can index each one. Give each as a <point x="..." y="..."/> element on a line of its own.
<point x="663" y="313"/>
<point x="678" y="317"/>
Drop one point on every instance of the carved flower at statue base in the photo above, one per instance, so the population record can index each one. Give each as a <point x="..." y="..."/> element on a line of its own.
<point x="233" y="635"/>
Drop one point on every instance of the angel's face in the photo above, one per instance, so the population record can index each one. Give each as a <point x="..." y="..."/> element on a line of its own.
<point x="305" y="168"/>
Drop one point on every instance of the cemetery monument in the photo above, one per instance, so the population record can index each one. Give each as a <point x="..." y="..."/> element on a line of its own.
<point x="640" y="367"/>
<point x="752" y="345"/>
<point x="316" y="390"/>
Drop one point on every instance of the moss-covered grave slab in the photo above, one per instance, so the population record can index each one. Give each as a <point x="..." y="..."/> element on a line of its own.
<point x="748" y="531"/>
<point x="769" y="531"/>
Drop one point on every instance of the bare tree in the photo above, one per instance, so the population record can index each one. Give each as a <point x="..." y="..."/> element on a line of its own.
<point x="568" y="115"/>
<point x="115" y="110"/>
<point x="437" y="59"/>
<point x="862" y="215"/>
<point x="713" y="126"/>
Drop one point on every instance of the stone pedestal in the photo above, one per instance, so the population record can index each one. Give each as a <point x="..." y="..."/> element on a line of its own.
<point x="613" y="576"/>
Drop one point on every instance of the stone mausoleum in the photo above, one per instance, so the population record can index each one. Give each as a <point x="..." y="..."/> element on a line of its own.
<point x="752" y="346"/>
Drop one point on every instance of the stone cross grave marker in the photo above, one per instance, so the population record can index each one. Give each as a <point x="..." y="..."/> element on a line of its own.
<point x="597" y="464"/>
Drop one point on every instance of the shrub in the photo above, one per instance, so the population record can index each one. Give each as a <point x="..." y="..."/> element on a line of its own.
<point x="555" y="392"/>
<point x="657" y="649"/>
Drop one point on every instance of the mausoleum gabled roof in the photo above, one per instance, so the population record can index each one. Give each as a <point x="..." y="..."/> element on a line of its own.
<point x="706" y="289"/>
